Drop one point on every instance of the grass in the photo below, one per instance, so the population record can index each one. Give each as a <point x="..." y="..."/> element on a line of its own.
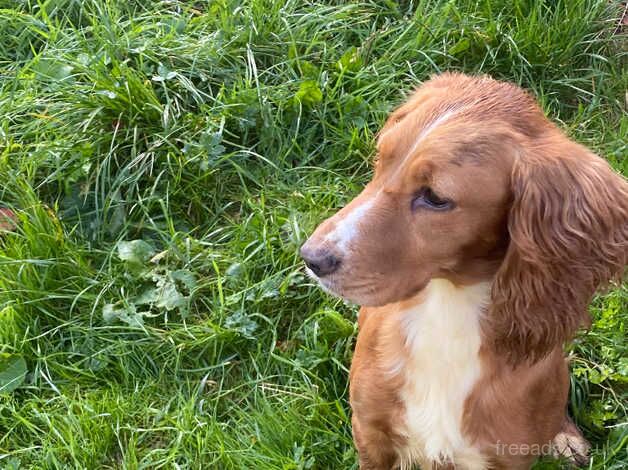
<point x="166" y="159"/>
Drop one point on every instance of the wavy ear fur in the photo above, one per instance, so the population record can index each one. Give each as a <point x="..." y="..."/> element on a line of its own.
<point x="568" y="227"/>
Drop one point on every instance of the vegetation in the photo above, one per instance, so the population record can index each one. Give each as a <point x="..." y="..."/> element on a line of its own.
<point x="163" y="162"/>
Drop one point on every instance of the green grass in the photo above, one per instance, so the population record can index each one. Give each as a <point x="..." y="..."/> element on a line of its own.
<point x="219" y="133"/>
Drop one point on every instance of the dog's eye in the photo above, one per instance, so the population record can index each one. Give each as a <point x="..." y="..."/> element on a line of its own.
<point x="428" y="199"/>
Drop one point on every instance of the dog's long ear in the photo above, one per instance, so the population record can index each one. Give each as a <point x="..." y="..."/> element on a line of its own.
<point x="568" y="228"/>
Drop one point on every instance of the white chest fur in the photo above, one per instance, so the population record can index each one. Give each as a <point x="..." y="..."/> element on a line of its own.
<point x="440" y="367"/>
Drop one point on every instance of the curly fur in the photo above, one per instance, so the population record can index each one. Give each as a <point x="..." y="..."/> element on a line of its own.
<point x="568" y="227"/>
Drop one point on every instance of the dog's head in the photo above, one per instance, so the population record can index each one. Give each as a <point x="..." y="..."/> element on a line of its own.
<point x="473" y="183"/>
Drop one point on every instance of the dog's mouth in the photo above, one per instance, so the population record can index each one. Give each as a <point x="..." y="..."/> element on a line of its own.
<point x="362" y="293"/>
<point x="325" y="283"/>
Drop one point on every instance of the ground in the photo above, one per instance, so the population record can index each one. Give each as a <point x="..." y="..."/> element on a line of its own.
<point x="160" y="164"/>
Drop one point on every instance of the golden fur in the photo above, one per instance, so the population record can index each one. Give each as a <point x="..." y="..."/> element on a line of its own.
<point x="512" y="204"/>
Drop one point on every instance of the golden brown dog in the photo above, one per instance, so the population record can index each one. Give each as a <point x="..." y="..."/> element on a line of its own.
<point x="474" y="252"/>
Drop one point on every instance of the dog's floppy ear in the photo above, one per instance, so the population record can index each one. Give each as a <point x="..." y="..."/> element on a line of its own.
<point x="568" y="227"/>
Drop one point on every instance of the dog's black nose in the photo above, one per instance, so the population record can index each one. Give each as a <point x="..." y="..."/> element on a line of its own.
<point x="321" y="261"/>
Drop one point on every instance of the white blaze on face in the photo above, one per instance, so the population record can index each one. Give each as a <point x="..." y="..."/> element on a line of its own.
<point x="348" y="228"/>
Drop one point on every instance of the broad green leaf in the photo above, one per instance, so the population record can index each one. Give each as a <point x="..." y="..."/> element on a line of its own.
<point x="52" y="69"/>
<point x="242" y="323"/>
<point x="185" y="277"/>
<point x="12" y="371"/>
<point x="173" y="289"/>
<point x="234" y="270"/>
<point x="211" y="142"/>
<point x="12" y="463"/>
<point x="135" y="251"/>
<point x="350" y="61"/>
<point x="169" y="297"/>
<point x="147" y="296"/>
<point x="128" y="315"/>
<point x="460" y="46"/>
<point x="309" y="93"/>
<point x="163" y="74"/>
<point x="309" y="70"/>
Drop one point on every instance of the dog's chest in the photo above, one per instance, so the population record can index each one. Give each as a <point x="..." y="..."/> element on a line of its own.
<point x="440" y="366"/>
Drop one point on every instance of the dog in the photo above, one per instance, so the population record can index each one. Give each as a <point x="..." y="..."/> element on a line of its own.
<point x="473" y="252"/>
